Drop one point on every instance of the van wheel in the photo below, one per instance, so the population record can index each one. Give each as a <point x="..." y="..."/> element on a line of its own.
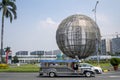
<point x="87" y="74"/>
<point x="40" y="74"/>
<point x="96" y="71"/>
<point x="52" y="74"/>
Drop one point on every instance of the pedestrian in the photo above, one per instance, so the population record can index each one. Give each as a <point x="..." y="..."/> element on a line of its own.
<point x="75" y="67"/>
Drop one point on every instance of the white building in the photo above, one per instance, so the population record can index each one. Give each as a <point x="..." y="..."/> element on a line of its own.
<point x="35" y="56"/>
<point x="105" y="46"/>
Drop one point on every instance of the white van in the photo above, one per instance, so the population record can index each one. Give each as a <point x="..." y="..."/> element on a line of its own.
<point x="97" y="70"/>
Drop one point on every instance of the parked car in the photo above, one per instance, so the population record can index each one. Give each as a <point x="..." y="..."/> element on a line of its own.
<point x="63" y="70"/>
<point x="97" y="70"/>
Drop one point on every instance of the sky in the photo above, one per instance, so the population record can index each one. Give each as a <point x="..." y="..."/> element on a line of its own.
<point x="37" y="21"/>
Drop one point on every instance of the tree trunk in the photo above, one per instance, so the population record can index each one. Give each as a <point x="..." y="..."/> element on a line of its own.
<point x="115" y="67"/>
<point x="2" y="34"/>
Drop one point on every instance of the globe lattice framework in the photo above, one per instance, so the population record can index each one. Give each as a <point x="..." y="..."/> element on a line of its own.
<point x="77" y="36"/>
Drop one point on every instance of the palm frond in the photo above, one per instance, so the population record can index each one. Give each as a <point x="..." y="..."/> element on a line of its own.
<point x="9" y="15"/>
<point x="0" y="4"/>
<point x="11" y="18"/>
<point x="0" y="8"/>
<point x="12" y="5"/>
<point x="13" y="12"/>
<point x="9" y="9"/>
<point x="13" y="0"/>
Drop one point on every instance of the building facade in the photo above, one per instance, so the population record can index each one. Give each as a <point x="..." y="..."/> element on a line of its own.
<point x="115" y="45"/>
<point x="105" y="46"/>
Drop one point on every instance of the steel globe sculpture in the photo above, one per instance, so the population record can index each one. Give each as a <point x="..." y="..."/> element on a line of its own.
<point x="76" y="36"/>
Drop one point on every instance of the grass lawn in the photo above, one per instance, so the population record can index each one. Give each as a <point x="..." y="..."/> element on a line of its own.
<point x="104" y="65"/>
<point x="35" y="67"/>
<point x="21" y="68"/>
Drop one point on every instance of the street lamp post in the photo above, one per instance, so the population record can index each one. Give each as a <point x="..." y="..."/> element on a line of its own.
<point x="97" y="41"/>
<point x="94" y="10"/>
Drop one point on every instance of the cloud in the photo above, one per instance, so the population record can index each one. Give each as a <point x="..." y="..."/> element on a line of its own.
<point x="45" y="34"/>
<point x="48" y="22"/>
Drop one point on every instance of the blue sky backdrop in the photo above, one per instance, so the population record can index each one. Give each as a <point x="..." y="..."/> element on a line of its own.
<point x="38" y="20"/>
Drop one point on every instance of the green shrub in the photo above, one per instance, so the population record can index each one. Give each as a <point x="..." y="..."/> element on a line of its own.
<point x="115" y="61"/>
<point x="3" y="66"/>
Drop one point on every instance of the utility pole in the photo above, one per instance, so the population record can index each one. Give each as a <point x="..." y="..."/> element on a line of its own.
<point x="97" y="40"/>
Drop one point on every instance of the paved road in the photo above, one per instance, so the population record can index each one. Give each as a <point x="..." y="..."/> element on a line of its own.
<point x="34" y="76"/>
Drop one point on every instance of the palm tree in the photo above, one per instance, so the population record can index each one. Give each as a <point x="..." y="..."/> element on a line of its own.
<point x="8" y="9"/>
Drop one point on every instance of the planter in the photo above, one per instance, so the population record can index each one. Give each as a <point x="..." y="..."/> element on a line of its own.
<point x="115" y="63"/>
